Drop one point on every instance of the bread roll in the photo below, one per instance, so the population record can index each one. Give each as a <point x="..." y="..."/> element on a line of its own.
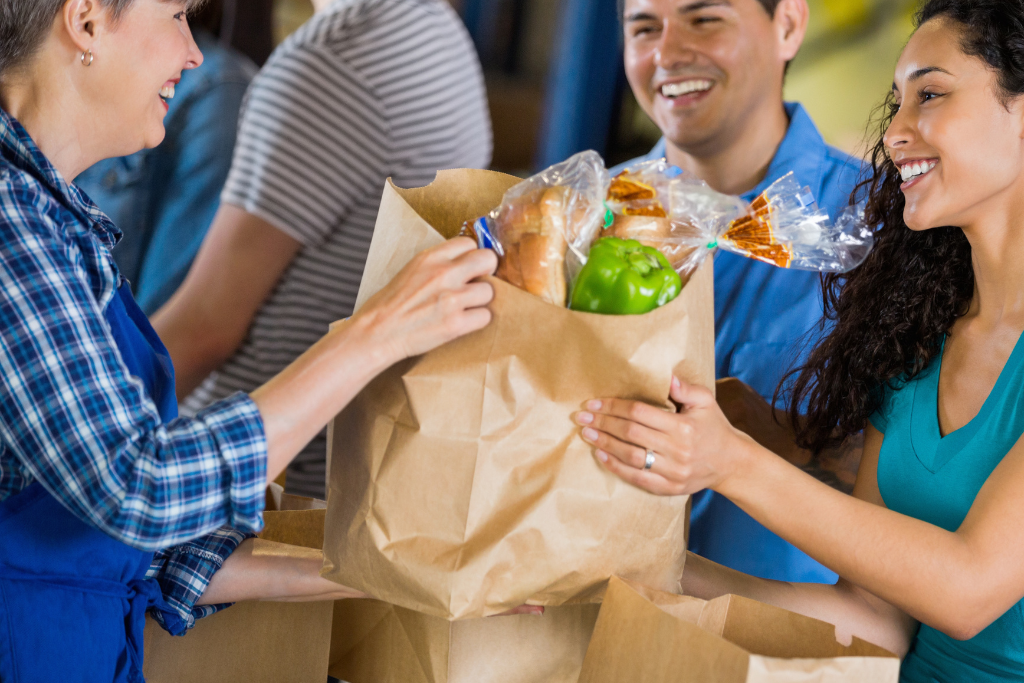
<point x="659" y="233"/>
<point x="533" y="232"/>
<point x="648" y="230"/>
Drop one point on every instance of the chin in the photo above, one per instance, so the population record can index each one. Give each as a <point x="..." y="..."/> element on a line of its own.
<point x="154" y="136"/>
<point x="691" y="133"/>
<point x="919" y="222"/>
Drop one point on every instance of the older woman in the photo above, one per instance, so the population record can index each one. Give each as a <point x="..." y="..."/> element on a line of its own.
<point x="926" y="356"/>
<point x="98" y="478"/>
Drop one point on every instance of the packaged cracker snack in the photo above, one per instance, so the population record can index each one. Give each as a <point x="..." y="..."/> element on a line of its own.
<point x="544" y="226"/>
<point x="783" y="226"/>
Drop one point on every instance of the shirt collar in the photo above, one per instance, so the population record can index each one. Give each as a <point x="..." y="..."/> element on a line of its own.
<point x="18" y="149"/>
<point x="802" y="151"/>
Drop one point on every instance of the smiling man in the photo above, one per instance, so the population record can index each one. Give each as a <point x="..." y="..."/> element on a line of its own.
<point x="710" y="73"/>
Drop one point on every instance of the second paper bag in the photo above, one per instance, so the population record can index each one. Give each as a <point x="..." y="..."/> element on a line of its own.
<point x="459" y="485"/>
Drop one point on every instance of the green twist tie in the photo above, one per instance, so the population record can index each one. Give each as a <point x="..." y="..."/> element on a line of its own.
<point x="609" y="217"/>
<point x="713" y="245"/>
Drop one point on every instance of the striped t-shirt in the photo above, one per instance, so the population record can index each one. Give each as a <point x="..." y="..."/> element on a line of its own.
<point x="365" y="90"/>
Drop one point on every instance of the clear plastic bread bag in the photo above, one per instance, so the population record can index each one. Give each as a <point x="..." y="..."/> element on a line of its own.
<point x="688" y="221"/>
<point x="543" y="229"/>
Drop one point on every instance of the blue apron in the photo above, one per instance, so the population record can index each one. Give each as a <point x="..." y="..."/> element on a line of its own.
<point x="73" y="600"/>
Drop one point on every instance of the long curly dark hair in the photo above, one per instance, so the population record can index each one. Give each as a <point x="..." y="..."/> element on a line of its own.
<point x="891" y="314"/>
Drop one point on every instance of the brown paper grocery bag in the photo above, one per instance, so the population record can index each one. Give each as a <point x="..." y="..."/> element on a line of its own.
<point x="379" y="643"/>
<point x="254" y="641"/>
<point x="459" y="484"/>
<point x="647" y="636"/>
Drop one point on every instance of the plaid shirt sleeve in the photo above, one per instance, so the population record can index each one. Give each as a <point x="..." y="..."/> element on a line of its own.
<point x="185" y="571"/>
<point x="73" y="417"/>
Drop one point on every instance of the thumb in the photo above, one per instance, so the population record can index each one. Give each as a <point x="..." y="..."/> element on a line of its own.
<point x="690" y="395"/>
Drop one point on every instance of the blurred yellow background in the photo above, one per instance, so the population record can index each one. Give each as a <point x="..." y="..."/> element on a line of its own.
<point x="847" y="63"/>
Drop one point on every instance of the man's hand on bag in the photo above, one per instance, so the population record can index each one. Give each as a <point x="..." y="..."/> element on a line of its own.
<point x="666" y="453"/>
<point x="437" y="297"/>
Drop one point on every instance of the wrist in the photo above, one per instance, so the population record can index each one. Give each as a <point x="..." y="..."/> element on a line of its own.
<point x="747" y="464"/>
<point x="361" y="337"/>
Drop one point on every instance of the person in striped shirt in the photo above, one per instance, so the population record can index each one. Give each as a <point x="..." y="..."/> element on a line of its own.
<point x="365" y="90"/>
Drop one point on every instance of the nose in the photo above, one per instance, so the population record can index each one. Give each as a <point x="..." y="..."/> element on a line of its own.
<point x="900" y="132"/>
<point x="672" y="51"/>
<point x="195" y="55"/>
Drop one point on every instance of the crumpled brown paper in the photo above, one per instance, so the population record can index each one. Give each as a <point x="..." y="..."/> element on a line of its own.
<point x="647" y="635"/>
<point x="459" y="486"/>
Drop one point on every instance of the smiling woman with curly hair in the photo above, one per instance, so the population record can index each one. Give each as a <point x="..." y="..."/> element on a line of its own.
<point x="925" y="354"/>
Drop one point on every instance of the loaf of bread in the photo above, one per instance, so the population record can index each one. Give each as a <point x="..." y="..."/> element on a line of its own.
<point x="535" y="233"/>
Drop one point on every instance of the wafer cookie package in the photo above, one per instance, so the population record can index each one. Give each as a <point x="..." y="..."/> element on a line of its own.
<point x="681" y="215"/>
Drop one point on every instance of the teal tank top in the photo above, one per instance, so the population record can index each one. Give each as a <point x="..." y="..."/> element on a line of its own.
<point x="936" y="479"/>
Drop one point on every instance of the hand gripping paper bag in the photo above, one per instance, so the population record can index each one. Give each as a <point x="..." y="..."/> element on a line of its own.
<point x="459" y="486"/>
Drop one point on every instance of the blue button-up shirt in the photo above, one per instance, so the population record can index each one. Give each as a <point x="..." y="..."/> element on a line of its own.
<point x="74" y="419"/>
<point x="766" y="319"/>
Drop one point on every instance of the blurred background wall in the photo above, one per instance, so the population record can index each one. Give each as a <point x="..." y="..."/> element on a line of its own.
<point x="556" y="86"/>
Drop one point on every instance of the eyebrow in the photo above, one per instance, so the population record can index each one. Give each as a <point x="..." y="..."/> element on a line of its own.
<point x="692" y="7"/>
<point x="921" y="73"/>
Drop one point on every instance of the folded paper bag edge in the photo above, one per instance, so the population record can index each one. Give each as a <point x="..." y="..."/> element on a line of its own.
<point x="396" y="249"/>
<point x="633" y="614"/>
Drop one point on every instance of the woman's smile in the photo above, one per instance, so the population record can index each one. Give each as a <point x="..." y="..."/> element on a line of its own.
<point x="167" y="92"/>
<point x="913" y="171"/>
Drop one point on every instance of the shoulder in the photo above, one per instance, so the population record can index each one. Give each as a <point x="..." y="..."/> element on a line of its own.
<point x="357" y="31"/>
<point x="25" y="203"/>
<point x="38" y="232"/>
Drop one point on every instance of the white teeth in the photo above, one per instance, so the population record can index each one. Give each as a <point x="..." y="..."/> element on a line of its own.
<point x="685" y="88"/>
<point x="167" y="92"/>
<point x="911" y="171"/>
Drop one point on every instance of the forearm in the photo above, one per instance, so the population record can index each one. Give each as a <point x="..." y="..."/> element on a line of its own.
<point x="263" y="570"/>
<point x="195" y="355"/>
<point x="297" y="403"/>
<point x="240" y="263"/>
<point x="924" y="570"/>
<point x="854" y="612"/>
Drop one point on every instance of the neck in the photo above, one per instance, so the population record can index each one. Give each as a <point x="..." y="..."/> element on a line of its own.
<point x="997" y="251"/>
<point x="46" y="109"/>
<point x="738" y="162"/>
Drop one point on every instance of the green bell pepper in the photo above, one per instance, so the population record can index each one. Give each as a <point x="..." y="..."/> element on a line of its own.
<point x="623" y="277"/>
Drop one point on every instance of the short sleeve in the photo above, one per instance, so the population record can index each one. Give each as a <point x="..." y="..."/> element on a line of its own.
<point x="313" y="141"/>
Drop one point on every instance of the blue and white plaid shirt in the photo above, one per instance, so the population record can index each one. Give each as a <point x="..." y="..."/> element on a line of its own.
<point x="74" y="419"/>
